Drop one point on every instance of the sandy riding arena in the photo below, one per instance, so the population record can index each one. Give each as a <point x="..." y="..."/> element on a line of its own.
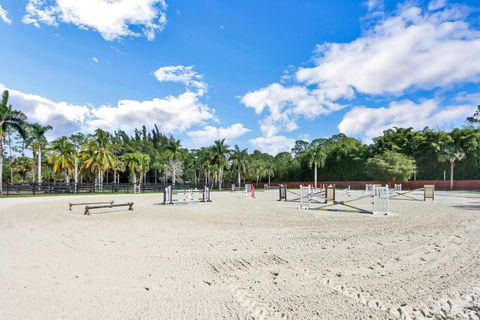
<point x="239" y="259"/>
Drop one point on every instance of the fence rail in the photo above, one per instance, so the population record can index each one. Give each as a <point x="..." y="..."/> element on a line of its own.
<point x="473" y="185"/>
<point x="90" y="188"/>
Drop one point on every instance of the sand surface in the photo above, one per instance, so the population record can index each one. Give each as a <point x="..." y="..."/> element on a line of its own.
<point x="240" y="259"/>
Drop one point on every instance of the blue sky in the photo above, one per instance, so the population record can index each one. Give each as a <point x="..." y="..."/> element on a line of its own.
<point x="258" y="73"/>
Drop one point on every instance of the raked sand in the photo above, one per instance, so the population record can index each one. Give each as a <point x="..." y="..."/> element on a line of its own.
<point x="239" y="259"/>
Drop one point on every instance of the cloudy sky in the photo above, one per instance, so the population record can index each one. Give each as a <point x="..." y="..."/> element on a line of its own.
<point x="257" y="73"/>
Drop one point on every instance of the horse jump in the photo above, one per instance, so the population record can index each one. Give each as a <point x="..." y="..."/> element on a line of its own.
<point x="128" y="204"/>
<point x="380" y="203"/>
<point x="88" y="203"/>
<point x="189" y="196"/>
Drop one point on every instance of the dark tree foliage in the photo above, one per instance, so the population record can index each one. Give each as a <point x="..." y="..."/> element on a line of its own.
<point x="475" y="119"/>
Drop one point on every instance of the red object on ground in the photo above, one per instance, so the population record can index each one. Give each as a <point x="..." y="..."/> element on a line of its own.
<point x="253" y="191"/>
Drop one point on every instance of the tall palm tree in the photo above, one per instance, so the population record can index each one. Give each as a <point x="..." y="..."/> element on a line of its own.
<point x="9" y="119"/>
<point x="316" y="157"/>
<point x="174" y="153"/>
<point x="97" y="155"/>
<point x="62" y="157"/>
<point x="269" y="170"/>
<point x="117" y="167"/>
<point x="145" y="166"/>
<point x="77" y="139"/>
<point x="239" y="161"/>
<point x="220" y="158"/>
<point x="451" y="153"/>
<point x="257" y="169"/>
<point x="205" y="159"/>
<point x="39" y="141"/>
<point x="23" y="165"/>
<point x="134" y="163"/>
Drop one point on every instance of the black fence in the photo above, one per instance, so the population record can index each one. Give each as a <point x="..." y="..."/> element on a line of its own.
<point x="91" y="188"/>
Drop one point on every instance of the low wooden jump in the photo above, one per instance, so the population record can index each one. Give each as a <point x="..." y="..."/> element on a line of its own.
<point x="89" y="203"/>
<point x="128" y="204"/>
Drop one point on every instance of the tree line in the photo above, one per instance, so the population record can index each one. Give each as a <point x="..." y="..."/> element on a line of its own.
<point x="26" y="156"/>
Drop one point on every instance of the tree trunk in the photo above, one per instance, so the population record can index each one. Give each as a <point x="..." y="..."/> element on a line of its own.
<point x="1" y="165"/>
<point x="39" y="164"/>
<point x="174" y="172"/>
<point x="75" y="171"/>
<point x="134" y="178"/>
<point x="11" y="157"/>
<point x="239" y="178"/>
<point x="452" y="163"/>
<point x="269" y="179"/>
<point x="220" y="176"/>
<point x="315" y="177"/>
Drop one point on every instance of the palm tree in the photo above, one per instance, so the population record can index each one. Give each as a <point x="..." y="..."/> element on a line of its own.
<point x="9" y="119"/>
<point x="239" y="160"/>
<point x="451" y="153"/>
<point x="37" y="133"/>
<point x="220" y="158"/>
<point x="269" y="170"/>
<point x="77" y="139"/>
<point x="145" y="166"/>
<point x="258" y="169"/>
<point x="134" y="162"/>
<point x="97" y="155"/>
<point x="23" y="165"/>
<point x="174" y="153"/>
<point x="205" y="159"/>
<point x="63" y="157"/>
<point x="316" y="157"/>
<point x="118" y="166"/>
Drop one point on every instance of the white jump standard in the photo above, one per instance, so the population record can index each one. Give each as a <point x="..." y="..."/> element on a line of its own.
<point x="189" y="195"/>
<point x="397" y="193"/>
<point x="137" y="189"/>
<point x="250" y="191"/>
<point x="308" y="192"/>
<point x="380" y="203"/>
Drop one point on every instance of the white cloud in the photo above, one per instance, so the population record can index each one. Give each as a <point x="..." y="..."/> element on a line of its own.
<point x="65" y="117"/>
<point x="112" y="19"/>
<point x="4" y="16"/>
<point x="371" y="122"/>
<point x="171" y="114"/>
<point x="285" y="105"/>
<point x="95" y="59"/>
<point x="273" y="144"/>
<point x="413" y="49"/>
<point x="209" y="134"/>
<point x="182" y="74"/>
<point x="437" y="4"/>
<point x="374" y="5"/>
<point x="470" y="98"/>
